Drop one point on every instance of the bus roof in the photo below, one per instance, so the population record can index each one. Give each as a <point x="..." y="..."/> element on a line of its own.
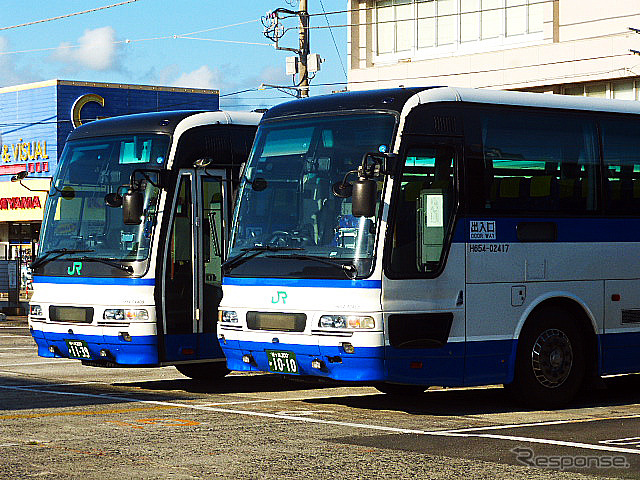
<point x="527" y="99"/>
<point x="387" y="99"/>
<point x="161" y="122"/>
<point x="396" y="99"/>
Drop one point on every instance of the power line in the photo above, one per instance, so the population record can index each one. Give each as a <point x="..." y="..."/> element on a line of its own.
<point x="220" y="28"/>
<point x="335" y="12"/>
<point x="129" y="41"/>
<point x="334" y="41"/>
<point x="67" y="15"/>
<point x="449" y="75"/>
<point x="223" y="41"/>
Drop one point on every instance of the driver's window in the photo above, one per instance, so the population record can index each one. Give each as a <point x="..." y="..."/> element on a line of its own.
<point x="424" y="210"/>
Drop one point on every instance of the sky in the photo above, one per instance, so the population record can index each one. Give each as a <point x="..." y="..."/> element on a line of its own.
<point x="143" y="42"/>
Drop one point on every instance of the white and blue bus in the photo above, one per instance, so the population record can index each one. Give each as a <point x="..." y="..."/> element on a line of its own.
<point x="424" y="237"/>
<point x="134" y="233"/>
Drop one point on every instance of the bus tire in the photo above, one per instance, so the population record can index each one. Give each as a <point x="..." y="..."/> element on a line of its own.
<point x="550" y="361"/>
<point x="400" y="390"/>
<point x="203" y="372"/>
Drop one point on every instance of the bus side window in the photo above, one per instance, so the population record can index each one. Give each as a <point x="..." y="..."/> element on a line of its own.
<point x="622" y="166"/>
<point x="538" y="162"/>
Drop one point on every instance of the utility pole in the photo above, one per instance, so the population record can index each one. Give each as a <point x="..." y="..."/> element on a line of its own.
<point x="305" y="63"/>
<point x="303" y="74"/>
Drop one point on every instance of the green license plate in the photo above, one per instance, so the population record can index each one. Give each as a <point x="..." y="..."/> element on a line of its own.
<point x="282" y="362"/>
<point x="78" y="349"/>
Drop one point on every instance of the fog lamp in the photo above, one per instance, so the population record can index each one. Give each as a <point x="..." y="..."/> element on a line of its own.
<point x="348" y="347"/>
<point x="317" y="364"/>
<point x="247" y="359"/>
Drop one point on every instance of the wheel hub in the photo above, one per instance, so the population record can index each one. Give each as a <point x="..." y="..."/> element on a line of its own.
<point x="552" y="358"/>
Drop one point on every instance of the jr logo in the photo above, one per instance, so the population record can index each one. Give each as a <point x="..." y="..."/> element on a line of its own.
<point x="281" y="296"/>
<point x="75" y="268"/>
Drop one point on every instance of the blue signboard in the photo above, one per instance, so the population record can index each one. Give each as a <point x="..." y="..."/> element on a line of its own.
<point x="35" y="119"/>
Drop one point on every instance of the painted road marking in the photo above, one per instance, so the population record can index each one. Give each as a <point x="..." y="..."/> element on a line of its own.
<point x="164" y="422"/>
<point x="542" y="424"/>
<point x="37" y="363"/>
<point x="465" y="433"/>
<point x="15" y="328"/>
<point x="623" y="441"/>
<point x="15" y="416"/>
<point x="16" y="336"/>
<point x="58" y="384"/>
<point x="285" y="399"/>
<point x="32" y="347"/>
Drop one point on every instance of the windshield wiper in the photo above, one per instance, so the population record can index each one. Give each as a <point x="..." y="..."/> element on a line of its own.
<point x="348" y="269"/>
<point x="249" y="253"/>
<point x="47" y="257"/>
<point x="106" y="261"/>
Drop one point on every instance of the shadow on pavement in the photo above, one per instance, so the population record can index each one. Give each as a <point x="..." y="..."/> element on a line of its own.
<point x="255" y="383"/>
<point x="29" y="393"/>
<point x="623" y="390"/>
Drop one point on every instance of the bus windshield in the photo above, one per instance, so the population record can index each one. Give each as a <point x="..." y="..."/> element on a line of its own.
<point x="77" y="217"/>
<point x="286" y="201"/>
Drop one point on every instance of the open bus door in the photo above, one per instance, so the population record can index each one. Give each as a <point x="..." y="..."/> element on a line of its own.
<point x="191" y="286"/>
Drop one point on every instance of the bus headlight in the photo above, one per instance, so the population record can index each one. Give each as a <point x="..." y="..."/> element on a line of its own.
<point x="347" y="322"/>
<point x="126" y="314"/>
<point x="227" y="316"/>
<point x="35" y="310"/>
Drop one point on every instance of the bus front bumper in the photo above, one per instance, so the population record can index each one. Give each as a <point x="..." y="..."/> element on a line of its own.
<point x="108" y="349"/>
<point x="365" y="364"/>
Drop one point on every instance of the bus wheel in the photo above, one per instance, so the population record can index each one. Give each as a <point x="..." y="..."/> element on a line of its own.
<point x="550" y="362"/>
<point x="203" y="372"/>
<point x="404" y="390"/>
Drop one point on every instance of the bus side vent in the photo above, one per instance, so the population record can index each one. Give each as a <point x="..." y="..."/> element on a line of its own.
<point x="419" y="330"/>
<point x="444" y="125"/>
<point x="631" y="316"/>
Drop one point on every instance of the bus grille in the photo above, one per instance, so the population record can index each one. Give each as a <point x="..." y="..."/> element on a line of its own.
<point x="71" y="314"/>
<point x="276" y="321"/>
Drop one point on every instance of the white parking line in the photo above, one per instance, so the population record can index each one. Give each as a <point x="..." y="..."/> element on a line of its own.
<point x="58" y="384"/>
<point x="32" y="347"/>
<point x="540" y="424"/>
<point x="36" y="363"/>
<point x="14" y="328"/>
<point x="307" y="419"/>
<point x="623" y="441"/>
<point x="16" y="336"/>
<point x="289" y="399"/>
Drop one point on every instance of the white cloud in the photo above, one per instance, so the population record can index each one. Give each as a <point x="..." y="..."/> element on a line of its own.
<point x="203" y="77"/>
<point x="274" y="75"/>
<point x="227" y="78"/>
<point x="96" y="49"/>
<point x="10" y="72"/>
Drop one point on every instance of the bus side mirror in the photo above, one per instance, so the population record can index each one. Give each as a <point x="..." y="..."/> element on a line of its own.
<point x="363" y="200"/>
<point x="132" y="206"/>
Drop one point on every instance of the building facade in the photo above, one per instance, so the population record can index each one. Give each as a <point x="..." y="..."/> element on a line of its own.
<point x="35" y="120"/>
<point x="575" y="47"/>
